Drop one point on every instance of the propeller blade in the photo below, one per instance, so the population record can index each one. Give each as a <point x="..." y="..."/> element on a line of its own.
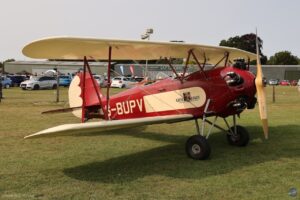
<point x="261" y="94"/>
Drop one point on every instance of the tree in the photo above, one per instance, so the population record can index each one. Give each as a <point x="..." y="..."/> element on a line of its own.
<point x="9" y="60"/>
<point x="283" y="58"/>
<point x="2" y="64"/>
<point x="246" y="42"/>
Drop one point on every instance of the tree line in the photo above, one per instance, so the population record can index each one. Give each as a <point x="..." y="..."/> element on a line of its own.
<point x="2" y="64"/>
<point x="247" y="42"/>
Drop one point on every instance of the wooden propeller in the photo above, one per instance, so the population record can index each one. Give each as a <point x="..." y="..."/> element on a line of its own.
<point x="261" y="94"/>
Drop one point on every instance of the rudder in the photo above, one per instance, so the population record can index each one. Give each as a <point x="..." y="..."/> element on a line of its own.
<point x="77" y="93"/>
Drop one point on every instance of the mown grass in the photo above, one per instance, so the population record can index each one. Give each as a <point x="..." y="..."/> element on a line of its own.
<point x="144" y="163"/>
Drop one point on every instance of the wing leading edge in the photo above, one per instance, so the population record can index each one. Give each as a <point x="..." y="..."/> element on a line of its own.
<point x="77" y="48"/>
<point x="108" y="125"/>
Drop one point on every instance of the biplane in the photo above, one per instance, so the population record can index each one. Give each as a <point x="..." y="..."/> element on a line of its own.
<point x="221" y="87"/>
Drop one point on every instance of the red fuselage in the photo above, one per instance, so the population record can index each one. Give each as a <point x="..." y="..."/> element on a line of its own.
<point x="229" y="89"/>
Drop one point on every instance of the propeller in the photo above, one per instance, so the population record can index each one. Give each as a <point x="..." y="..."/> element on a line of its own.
<point x="261" y="93"/>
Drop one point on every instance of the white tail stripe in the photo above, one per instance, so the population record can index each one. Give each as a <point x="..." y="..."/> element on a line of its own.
<point x="75" y="99"/>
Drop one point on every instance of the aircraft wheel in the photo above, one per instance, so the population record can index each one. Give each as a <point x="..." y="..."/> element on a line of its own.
<point x="197" y="147"/>
<point x="240" y="139"/>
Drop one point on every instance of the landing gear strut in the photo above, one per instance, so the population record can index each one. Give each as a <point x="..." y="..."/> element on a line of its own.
<point x="197" y="146"/>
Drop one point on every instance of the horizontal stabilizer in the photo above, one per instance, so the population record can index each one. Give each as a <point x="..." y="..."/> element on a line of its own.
<point x="101" y="126"/>
<point x="62" y="110"/>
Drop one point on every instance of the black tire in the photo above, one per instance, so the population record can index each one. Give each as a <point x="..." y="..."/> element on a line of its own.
<point x="123" y="86"/>
<point x="240" y="139"/>
<point x="197" y="147"/>
<point x="54" y="86"/>
<point x="36" y="87"/>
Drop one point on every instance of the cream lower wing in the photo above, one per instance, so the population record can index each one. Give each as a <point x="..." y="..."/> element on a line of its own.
<point x="108" y="125"/>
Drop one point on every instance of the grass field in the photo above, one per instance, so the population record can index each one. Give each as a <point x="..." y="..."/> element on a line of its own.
<point x="144" y="163"/>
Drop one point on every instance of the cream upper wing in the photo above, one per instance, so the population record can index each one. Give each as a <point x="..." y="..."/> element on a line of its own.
<point x="77" y="48"/>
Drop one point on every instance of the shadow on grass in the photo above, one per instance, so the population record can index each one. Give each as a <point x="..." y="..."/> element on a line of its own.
<point x="171" y="160"/>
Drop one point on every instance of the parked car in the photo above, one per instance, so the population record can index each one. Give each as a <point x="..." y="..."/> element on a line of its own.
<point x="139" y="79"/>
<point x="6" y="82"/>
<point x="120" y="82"/>
<point x="16" y="80"/>
<point x="39" y="82"/>
<point x="100" y="80"/>
<point x="284" y="82"/>
<point x="131" y="82"/>
<point x="273" y="82"/>
<point x="294" y="82"/>
<point x="64" y="80"/>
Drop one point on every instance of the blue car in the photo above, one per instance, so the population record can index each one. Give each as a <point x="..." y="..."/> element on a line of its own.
<point x="6" y="82"/>
<point x="64" y="80"/>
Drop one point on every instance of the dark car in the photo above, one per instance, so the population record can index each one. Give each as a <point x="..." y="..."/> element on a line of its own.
<point x="139" y="79"/>
<point x="16" y="80"/>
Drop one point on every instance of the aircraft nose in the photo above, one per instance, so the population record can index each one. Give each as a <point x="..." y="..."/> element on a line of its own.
<point x="233" y="79"/>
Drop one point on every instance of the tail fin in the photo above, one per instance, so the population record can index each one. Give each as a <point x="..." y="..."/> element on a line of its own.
<point x="90" y="95"/>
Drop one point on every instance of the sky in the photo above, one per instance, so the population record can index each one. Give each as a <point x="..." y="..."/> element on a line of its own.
<point x="194" y="21"/>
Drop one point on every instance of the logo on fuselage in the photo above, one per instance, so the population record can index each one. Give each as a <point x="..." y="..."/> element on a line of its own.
<point x="193" y="97"/>
<point x="187" y="97"/>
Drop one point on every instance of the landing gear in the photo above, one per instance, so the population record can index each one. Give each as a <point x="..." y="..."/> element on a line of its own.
<point x="238" y="136"/>
<point x="197" y="147"/>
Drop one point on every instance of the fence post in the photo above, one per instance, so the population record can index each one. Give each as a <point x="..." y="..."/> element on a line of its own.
<point x="0" y="90"/>
<point x="57" y="87"/>
<point x="273" y="93"/>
